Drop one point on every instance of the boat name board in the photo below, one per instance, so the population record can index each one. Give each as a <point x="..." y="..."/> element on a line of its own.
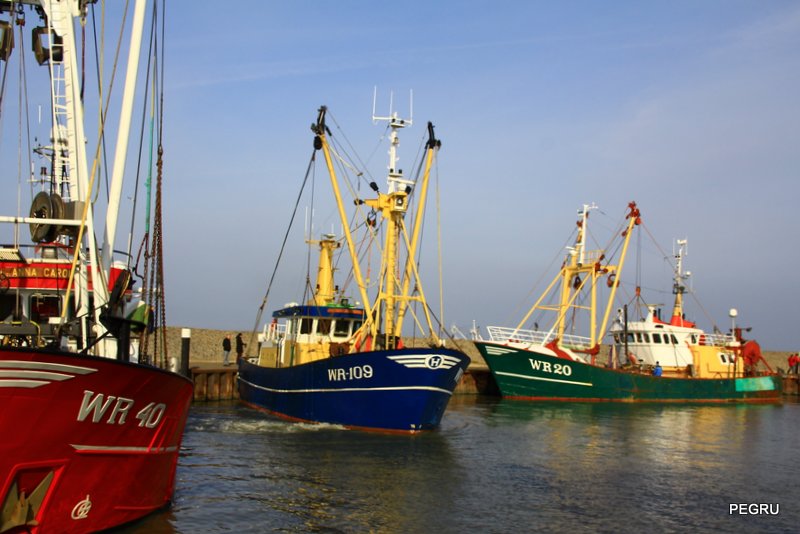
<point x="356" y="372"/>
<point x="35" y="272"/>
<point x="98" y="404"/>
<point x="552" y="368"/>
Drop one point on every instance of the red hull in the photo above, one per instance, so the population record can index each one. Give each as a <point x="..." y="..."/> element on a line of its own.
<point x="86" y="443"/>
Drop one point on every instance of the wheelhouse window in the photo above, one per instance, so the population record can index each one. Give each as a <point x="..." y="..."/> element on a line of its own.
<point x="306" y="325"/>
<point x="8" y="302"/>
<point x="341" y="328"/>
<point x="323" y="326"/>
<point x="43" y="307"/>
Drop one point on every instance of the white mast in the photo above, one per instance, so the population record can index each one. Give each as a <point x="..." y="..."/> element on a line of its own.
<point x="395" y="179"/>
<point x="115" y="189"/>
<point x="59" y="16"/>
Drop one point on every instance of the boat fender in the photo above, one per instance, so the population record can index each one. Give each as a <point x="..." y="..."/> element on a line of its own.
<point x="317" y="142"/>
<point x="612" y="278"/>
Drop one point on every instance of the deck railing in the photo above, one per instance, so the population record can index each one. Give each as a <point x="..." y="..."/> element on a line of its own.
<point x="501" y="334"/>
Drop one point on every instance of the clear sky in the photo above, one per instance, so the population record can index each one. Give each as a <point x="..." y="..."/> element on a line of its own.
<point x="689" y="108"/>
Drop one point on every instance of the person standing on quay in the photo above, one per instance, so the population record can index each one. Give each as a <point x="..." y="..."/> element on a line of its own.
<point x="794" y="363"/>
<point x="226" y="350"/>
<point x="239" y="347"/>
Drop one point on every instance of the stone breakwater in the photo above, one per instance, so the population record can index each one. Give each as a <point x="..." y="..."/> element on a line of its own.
<point x="206" y="347"/>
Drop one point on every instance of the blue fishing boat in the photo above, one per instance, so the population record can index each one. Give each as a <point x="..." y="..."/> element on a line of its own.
<point x="330" y="361"/>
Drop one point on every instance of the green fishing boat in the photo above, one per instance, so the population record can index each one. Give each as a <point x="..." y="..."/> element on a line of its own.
<point x="650" y="360"/>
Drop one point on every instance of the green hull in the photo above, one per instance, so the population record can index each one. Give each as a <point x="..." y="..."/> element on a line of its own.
<point x="530" y="374"/>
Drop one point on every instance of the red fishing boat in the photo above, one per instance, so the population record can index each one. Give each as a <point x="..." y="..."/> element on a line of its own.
<point x="90" y="424"/>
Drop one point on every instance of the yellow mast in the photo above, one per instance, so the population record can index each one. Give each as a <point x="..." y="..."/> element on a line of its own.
<point x="324" y="292"/>
<point x="321" y="142"/>
<point x="432" y="147"/>
<point x="582" y="267"/>
<point x="393" y="297"/>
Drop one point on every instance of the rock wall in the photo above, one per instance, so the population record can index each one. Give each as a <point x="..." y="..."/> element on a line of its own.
<point x="206" y="347"/>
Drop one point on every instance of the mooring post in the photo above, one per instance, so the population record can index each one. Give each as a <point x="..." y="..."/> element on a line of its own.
<point x="186" y="341"/>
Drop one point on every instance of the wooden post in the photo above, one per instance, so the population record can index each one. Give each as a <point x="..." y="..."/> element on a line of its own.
<point x="186" y="342"/>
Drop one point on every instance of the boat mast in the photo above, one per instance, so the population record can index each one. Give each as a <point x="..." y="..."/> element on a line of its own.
<point x="392" y="207"/>
<point x="321" y="143"/>
<point x="393" y="297"/>
<point x="59" y="19"/>
<point x="576" y="274"/>
<point x="115" y="189"/>
<point x="678" y="287"/>
<point x="324" y="292"/>
<point x="432" y="148"/>
<point x="583" y="267"/>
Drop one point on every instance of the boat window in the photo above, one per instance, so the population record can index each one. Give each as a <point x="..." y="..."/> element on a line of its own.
<point x="43" y="307"/>
<point x="674" y="339"/>
<point x="693" y="338"/>
<point x="646" y="337"/>
<point x="341" y="328"/>
<point x="356" y="325"/>
<point x="656" y="338"/>
<point x="723" y="357"/>
<point x="323" y="326"/>
<point x="7" y="304"/>
<point x="638" y="337"/>
<point x="630" y="337"/>
<point x="306" y="325"/>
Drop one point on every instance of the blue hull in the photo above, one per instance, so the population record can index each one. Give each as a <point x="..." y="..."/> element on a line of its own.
<point x="404" y="390"/>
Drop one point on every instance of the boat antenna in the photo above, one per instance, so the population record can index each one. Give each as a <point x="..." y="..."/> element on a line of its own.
<point x="395" y="180"/>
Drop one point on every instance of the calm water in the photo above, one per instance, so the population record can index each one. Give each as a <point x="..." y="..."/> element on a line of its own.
<point x="494" y="466"/>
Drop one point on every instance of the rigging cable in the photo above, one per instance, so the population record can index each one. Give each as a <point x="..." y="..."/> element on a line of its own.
<point x="280" y="254"/>
<point x="155" y="297"/>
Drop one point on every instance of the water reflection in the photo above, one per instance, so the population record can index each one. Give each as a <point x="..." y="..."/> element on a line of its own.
<point x="494" y="465"/>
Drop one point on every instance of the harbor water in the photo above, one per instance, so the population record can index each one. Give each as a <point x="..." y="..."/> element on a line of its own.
<point x="493" y="466"/>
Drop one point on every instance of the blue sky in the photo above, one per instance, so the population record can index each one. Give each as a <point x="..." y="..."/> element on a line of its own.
<point x="689" y="108"/>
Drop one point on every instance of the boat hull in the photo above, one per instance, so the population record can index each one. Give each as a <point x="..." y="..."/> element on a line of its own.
<point x="535" y="375"/>
<point x="87" y="443"/>
<point x="404" y="390"/>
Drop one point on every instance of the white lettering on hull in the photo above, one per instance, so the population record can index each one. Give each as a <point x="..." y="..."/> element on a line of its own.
<point x="555" y="368"/>
<point x="357" y="372"/>
<point x="98" y="404"/>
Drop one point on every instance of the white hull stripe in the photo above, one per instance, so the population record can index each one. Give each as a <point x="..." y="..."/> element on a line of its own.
<point x="491" y="349"/>
<point x="101" y="448"/>
<point x="25" y="374"/>
<point x="56" y="367"/>
<point x="6" y="383"/>
<point x="347" y="390"/>
<point x="429" y="361"/>
<point x="515" y="375"/>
